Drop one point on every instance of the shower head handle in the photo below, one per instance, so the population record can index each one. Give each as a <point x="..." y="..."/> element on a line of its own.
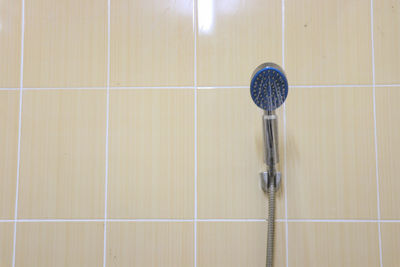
<point x="270" y="129"/>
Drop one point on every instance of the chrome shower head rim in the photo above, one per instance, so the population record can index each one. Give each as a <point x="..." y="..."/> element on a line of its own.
<point x="269" y="101"/>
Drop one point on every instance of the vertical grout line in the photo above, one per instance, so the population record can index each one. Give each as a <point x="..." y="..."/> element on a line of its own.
<point x="21" y="84"/>
<point x="284" y="141"/>
<point x="195" y="128"/>
<point x="107" y="129"/>
<point x="375" y="134"/>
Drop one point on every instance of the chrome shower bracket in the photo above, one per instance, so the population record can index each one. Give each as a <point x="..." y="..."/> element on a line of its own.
<point x="266" y="179"/>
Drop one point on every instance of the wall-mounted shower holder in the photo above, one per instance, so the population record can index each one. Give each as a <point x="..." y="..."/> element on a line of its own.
<point x="266" y="178"/>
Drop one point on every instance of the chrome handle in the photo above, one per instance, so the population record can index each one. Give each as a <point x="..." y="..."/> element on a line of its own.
<point x="270" y="128"/>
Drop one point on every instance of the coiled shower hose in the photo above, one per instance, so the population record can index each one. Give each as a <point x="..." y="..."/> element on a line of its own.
<point x="271" y="223"/>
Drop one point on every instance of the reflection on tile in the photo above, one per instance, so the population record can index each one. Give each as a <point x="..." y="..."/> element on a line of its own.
<point x="333" y="244"/>
<point x="230" y="156"/>
<point x="62" y="154"/>
<point x="6" y="243"/>
<point x="151" y="154"/>
<point x="390" y="243"/>
<point x="9" y="116"/>
<point x="331" y="154"/>
<point x="59" y="244"/>
<point x="150" y="244"/>
<point x="234" y="37"/>
<point x="387" y="41"/>
<point x="388" y="133"/>
<point x="65" y="43"/>
<point x="152" y="43"/>
<point x="238" y="244"/>
<point x="10" y="43"/>
<point x="328" y="42"/>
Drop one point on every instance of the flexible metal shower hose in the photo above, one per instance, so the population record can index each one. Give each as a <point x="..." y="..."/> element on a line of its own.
<point x="271" y="223"/>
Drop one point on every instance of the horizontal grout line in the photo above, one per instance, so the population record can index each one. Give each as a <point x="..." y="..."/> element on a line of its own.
<point x="150" y="220"/>
<point x="67" y="88"/>
<point x="336" y="221"/>
<point x="231" y="220"/>
<point x="193" y="87"/>
<point x="331" y="86"/>
<point x="387" y="85"/>
<point x="222" y="87"/>
<point x="201" y="220"/>
<point x="60" y="220"/>
<point x="151" y="87"/>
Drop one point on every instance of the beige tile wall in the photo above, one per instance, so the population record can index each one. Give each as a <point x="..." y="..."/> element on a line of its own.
<point x="328" y="42"/>
<point x="334" y="244"/>
<point x="6" y="243"/>
<point x="128" y="137"/>
<point x="150" y="244"/>
<point x="10" y="43"/>
<point x="59" y="244"/>
<point x="9" y="110"/>
<point x="237" y="244"/>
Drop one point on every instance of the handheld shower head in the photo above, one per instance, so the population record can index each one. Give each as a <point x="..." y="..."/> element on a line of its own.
<point x="269" y="87"/>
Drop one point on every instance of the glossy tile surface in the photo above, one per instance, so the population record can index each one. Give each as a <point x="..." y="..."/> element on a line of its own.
<point x="388" y="133"/>
<point x="328" y="42"/>
<point x="333" y="244"/>
<point x="10" y="43"/>
<point x="59" y="244"/>
<point x="150" y="244"/>
<point x="9" y="115"/>
<point x="65" y="43"/>
<point x="330" y="154"/>
<point x="151" y="154"/>
<point x="234" y="37"/>
<point x="6" y="243"/>
<point x="177" y="136"/>
<point x="387" y="41"/>
<point x="152" y="43"/>
<point x="390" y="243"/>
<point x="62" y="170"/>
<point x="230" y="156"/>
<point x="238" y="244"/>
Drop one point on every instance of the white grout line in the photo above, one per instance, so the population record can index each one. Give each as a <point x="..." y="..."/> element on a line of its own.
<point x="67" y="88"/>
<point x="285" y="180"/>
<point x="375" y="134"/>
<point x="222" y="87"/>
<point x="231" y="220"/>
<point x="195" y="128"/>
<point x="58" y="220"/>
<point x="107" y="130"/>
<point x="151" y="87"/>
<point x="197" y="87"/>
<point x="150" y="220"/>
<point x="202" y="220"/>
<point x="331" y="86"/>
<point x="332" y="221"/>
<point x="385" y="85"/>
<point x="21" y="84"/>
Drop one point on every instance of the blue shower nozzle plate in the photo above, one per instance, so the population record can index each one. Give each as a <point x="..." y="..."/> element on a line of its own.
<point x="269" y="87"/>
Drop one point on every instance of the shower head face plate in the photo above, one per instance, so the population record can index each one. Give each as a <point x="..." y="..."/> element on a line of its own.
<point x="269" y="87"/>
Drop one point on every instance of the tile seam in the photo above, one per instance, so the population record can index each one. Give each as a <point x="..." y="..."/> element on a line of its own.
<point x="21" y="86"/>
